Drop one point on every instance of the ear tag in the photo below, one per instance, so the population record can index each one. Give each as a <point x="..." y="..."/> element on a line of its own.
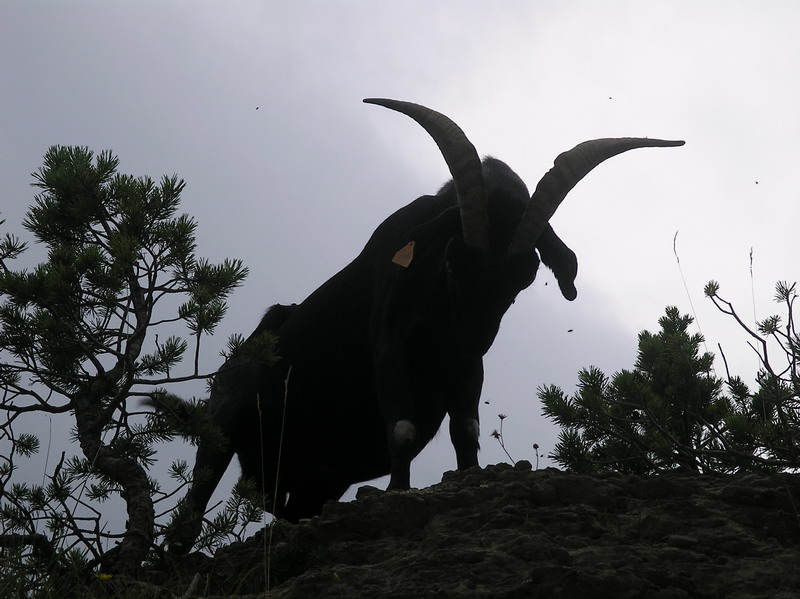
<point x="404" y="255"/>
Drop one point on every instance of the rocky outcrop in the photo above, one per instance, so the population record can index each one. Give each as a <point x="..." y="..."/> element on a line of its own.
<point x="505" y="531"/>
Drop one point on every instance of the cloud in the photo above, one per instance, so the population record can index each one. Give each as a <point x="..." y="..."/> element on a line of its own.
<point x="296" y="187"/>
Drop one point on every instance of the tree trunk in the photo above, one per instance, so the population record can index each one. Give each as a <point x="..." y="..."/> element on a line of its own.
<point x="128" y="555"/>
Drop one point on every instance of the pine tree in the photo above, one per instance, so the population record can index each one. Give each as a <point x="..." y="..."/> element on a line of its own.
<point x="77" y="336"/>
<point x="770" y="416"/>
<point x="668" y="413"/>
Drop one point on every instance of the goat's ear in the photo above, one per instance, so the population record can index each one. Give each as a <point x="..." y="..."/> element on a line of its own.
<point x="560" y="259"/>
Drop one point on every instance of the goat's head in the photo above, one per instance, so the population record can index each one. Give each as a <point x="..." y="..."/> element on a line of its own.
<point x="494" y="256"/>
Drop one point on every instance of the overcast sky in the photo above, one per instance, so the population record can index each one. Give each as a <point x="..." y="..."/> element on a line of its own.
<point x="257" y="105"/>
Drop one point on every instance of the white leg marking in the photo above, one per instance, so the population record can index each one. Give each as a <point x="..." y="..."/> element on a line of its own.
<point x="404" y="432"/>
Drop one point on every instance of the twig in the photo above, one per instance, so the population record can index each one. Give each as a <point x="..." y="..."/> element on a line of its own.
<point x="499" y="436"/>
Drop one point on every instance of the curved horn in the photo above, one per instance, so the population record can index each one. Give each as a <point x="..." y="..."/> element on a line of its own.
<point x="463" y="161"/>
<point x="570" y="167"/>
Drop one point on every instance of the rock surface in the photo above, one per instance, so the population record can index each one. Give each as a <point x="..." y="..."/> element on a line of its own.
<point x="507" y="532"/>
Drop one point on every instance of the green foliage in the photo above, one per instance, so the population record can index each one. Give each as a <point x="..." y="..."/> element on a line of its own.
<point x="189" y="419"/>
<point x="77" y="337"/>
<point x="667" y="413"/>
<point x="774" y="407"/>
<point x="670" y="411"/>
<point x="261" y="347"/>
<point x="244" y="506"/>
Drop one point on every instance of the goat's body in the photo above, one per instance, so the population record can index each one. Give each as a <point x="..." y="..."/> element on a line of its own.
<point x="339" y="410"/>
